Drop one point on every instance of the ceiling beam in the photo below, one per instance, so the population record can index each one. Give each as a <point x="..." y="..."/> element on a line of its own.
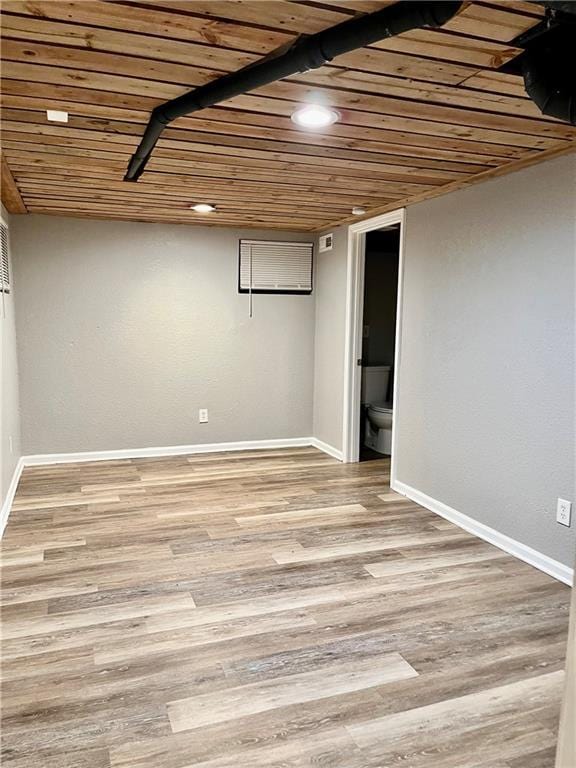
<point x="11" y="197"/>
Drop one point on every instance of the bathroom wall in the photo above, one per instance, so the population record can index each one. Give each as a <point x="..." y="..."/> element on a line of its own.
<point x="9" y="400"/>
<point x="126" y="329"/>
<point x="330" y="324"/>
<point x="380" y="297"/>
<point x="485" y="407"/>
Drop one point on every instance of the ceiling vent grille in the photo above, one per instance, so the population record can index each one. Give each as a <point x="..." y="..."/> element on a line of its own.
<point x="4" y="260"/>
<point x="271" y="266"/>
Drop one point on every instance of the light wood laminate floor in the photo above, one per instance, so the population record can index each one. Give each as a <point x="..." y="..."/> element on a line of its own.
<point x="268" y="609"/>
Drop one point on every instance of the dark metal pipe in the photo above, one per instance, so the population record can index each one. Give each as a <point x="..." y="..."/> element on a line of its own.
<point x="550" y="85"/>
<point x="307" y="52"/>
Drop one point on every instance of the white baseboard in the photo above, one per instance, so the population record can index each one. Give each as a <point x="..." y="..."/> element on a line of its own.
<point x="531" y="556"/>
<point x="171" y="450"/>
<point x="326" y="448"/>
<point x="10" y="493"/>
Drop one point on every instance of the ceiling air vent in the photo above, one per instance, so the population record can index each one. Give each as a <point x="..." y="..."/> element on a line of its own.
<point x="326" y="242"/>
<point x="4" y="260"/>
<point x="271" y="266"/>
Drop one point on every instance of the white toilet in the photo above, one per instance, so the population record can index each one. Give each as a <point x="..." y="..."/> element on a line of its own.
<point x="379" y="412"/>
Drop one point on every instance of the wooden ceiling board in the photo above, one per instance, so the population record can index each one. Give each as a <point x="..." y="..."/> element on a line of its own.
<point x="102" y="72"/>
<point x="92" y="164"/>
<point x="132" y="18"/>
<point x="25" y="122"/>
<point x="378" y="112"/>
<point x="434" y="44"/>
<point x="421" y="114"/>
<point x="432" y="93"/>
<point x="29" y="30"/>
<point x="290" y="17"/>
<point x="502" y="24"/>
<point x="99" y="116"/>
<point x="103" y="190"/>
<point x="178" y="139"/>
<point x="179" y="185"/>
<point x="11" y="194"/>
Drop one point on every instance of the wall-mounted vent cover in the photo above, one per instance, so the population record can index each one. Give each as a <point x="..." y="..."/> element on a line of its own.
<point x="271" y="266"/>
<point x="4" y="260"/>
<point x="326" y="242"/>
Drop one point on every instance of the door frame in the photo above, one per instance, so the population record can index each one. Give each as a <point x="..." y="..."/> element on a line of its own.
<point x="353" y="337"/>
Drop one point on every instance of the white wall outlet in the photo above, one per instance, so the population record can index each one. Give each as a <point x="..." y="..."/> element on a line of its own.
<point x="203" y="415"/>
<point x="10" y="444"/>
<point x="563" y="511"/>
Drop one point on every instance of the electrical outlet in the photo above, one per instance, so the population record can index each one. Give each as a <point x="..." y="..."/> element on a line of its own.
<point x="10" y="444"/>
<point x="563" y="511"/>
<point x="203" y="415"/>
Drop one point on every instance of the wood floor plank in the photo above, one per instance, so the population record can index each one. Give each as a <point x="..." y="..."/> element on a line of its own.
<point x="412" y="733"/>
<point x="374" y="545"/>
<point x="331" y="747"/>
<point x="398" y="568"/>
<point x="246" y="700"/>
<point x="193" y="637"/>
<point x="92" y="617"/>
<point x="271" y="609"/>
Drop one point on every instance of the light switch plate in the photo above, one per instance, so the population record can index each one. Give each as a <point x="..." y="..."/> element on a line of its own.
<point x="203" y="415"/>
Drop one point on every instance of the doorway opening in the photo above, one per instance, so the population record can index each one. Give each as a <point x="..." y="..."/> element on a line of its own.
<point x="375" y="266"/>
<point x="381" y="264"/>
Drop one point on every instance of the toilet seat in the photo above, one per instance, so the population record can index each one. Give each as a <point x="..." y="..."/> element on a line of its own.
<point x="381" y="407"/>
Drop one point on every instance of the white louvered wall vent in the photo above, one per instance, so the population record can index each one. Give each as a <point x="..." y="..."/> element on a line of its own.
<point x="4" y="260"/>
<point x="326" y="242"/>
<point x="271" y="266"/>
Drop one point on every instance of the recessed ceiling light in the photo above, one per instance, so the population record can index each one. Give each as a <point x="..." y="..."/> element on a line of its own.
<point x="358" y="210"/>
<point x="314" y="116"/>
<point x="57" y="116"/>
<point x="203" y="208"/>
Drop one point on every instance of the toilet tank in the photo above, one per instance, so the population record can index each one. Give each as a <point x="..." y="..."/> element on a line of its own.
<point x="375" y="383"/>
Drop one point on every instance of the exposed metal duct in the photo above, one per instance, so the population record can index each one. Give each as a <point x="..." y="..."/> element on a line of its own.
<point x="550" y="86"/>
<point x="548" y="63"/>
<point x="307" y="52"/>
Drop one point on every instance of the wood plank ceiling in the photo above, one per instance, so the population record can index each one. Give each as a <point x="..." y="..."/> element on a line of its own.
<point x="421" y="114"/>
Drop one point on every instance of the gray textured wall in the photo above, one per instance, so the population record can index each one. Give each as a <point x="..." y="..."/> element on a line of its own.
<point x="485" y="406"/>
<point x="125" y="330"/>
<point x="329" y="345"/>
<point x="9" y="406"/>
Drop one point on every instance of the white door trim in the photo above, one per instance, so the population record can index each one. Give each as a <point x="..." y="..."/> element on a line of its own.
<point x="353" y="337"/>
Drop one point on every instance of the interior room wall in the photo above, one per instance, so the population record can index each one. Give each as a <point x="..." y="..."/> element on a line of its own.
<point x="380" y="297"/>
<point x="330" y="326"/>
<point x="485" y="407"/>
<point x="126" y="329"/>
<point x="9" y="397"/>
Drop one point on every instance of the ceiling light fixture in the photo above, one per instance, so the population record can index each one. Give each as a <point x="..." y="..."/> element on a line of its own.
<point x="203" y="208"/>
<point x="358" y="210"/>
<point x="314" y="116"/>
<point x="56" y="116"/>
